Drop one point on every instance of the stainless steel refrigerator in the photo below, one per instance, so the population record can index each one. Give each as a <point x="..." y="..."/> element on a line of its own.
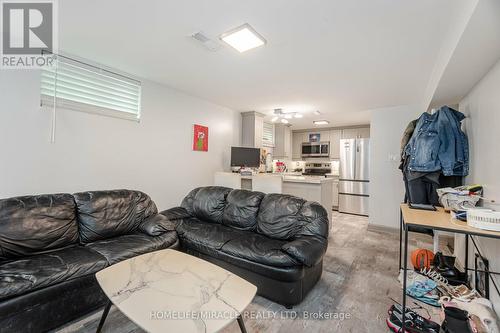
<point x="354" y="180"/>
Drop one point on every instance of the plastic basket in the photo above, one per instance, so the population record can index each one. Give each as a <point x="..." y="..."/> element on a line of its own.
<point x="484" y="219"/>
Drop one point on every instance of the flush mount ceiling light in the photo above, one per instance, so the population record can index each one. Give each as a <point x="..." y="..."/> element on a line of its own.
<point x="243" y="38"/>
<point x="321" y="122"/>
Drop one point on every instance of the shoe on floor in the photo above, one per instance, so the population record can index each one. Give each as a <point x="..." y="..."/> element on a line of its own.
<point x="414" y="323"/>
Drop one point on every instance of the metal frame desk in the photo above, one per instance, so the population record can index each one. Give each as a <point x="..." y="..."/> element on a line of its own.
<point x="435" y="220"/>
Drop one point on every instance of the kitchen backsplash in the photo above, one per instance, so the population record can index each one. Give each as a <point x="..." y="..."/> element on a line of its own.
<point x="298" y="166"/>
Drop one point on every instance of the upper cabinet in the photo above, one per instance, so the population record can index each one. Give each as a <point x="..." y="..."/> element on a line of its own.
<point x="335" y="136"/>
<point x="354" y="133"/>
<point x="297" y="139"/>
<point x="332" y="135"/>
<point x="282" y="141"/>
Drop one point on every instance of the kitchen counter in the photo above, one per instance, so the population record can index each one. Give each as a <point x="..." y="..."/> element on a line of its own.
<point x="311" y="188"/>
<point x="307" y="179"/>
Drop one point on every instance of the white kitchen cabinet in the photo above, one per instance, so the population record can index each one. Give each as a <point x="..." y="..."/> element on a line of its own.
<point x="297" y="140"/>
<point x="335" y="194"/>
<point x="354" y="133"/>
<point x="335" y="136"/>
<point x="282" y="142"/>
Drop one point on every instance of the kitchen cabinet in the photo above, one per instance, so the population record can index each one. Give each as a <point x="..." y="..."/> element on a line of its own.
<point x="335" y="194"/>
<point x="354" y="133"/>
<point x="297" y="139"/>
<point x="335" y="136"/>
<point x="282" y="142"/>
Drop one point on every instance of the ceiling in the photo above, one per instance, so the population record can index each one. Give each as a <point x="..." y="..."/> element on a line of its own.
<point x="339" y="57"/>
<point x="475" y="54"/>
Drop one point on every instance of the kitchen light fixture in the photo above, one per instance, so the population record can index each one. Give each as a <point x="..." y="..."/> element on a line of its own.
<point x="321" y="122"/>
<point x="284" y="116"/>
<point x="243" y="38"/>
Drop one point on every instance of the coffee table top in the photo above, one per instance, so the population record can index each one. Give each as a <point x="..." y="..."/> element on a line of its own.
<point x="170" y="291"/>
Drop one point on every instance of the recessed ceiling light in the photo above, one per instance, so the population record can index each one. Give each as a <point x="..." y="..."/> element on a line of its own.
<point x="274" y="119"/>
<point x="298" y="115"/>
<point x="243" y="38"/>
<point x="321" y="122"/>
<point x="284" y="121"/>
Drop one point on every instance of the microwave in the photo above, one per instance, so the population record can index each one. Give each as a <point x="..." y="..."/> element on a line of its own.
<point x="315" y="149"/>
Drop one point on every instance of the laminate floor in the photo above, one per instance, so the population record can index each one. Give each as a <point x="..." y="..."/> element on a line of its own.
<point x="359" y="279"/>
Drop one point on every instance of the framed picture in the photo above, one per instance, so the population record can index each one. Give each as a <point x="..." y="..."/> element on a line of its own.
<point x="482" y="275"/>
<point x="200" y="138"/>
<point x="314" y="137"/>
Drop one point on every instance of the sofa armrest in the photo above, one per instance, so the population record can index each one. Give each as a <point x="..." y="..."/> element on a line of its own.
<point x="308" y="250"/>
<point x="176" y="213"/>
<point x="156" y="225"/>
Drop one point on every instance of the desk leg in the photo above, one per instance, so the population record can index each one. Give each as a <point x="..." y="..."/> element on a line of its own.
<point x="466" y="263"/>
<point x="241" y="324"/>
<point x="103" y="317"/>
<point x="400" y="236"/>
<point x="405" y="268"/>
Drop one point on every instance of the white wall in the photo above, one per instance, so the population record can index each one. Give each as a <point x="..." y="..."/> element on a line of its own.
<point x="386" y="182"/>
<point x="482" y="108"/>
<point x="95" y="152"/>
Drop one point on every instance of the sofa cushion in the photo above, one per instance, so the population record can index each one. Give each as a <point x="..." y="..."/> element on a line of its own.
<point x="34" y="224"/>
<point x="106" y="214"/>
<point x="207" y="203"/>
<point x="279" y="216"/>
<point x="196" y="233"/>
<point x="260" y="249"/>
<point x="127" y="246"/>
<point x="241" y="209"/>
<point x="43" y="270"/>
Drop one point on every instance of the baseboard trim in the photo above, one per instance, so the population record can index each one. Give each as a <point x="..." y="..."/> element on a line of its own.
<point x="382" y="228"/>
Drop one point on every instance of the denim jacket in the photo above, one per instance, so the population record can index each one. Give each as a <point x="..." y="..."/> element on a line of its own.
<point x="438" y="143"/>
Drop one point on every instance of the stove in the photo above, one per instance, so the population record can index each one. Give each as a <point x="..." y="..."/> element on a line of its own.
<point x="317" y="169"/>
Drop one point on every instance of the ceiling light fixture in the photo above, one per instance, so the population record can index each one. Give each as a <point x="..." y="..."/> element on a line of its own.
<point x="321" y="122"/>
<point x="284" y="116"/>
<point x="243" y="38"/>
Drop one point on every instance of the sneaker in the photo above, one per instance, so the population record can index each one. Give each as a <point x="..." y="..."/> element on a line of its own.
<point x="414" y="323"/>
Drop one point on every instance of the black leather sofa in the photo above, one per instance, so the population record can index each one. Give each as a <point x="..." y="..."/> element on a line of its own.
<point x="51" y="246"/>
<point x="275" y="241"/>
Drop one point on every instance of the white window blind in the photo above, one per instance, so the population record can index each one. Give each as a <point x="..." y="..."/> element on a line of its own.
<point x="268" y="135"/>
<point x="78" y="86"/>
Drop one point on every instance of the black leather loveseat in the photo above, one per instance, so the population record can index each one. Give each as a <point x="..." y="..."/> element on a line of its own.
<point x="275" y="241"/>
<point x="51" y="246"/>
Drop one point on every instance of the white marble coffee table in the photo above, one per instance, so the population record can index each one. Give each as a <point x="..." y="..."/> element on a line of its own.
<point x="170" y="291"/>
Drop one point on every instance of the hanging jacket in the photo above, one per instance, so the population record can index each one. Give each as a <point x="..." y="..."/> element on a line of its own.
<point x="438" y="143"/>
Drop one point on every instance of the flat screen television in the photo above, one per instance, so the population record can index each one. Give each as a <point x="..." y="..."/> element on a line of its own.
<point x="245" y="157"/>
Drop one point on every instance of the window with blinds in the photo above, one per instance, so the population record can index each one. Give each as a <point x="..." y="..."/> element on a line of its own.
<point x="268" y="135"/>
<point x="74" y="85"/>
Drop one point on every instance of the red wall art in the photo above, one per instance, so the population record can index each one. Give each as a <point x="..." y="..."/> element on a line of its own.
<point x="200" y="138"/>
